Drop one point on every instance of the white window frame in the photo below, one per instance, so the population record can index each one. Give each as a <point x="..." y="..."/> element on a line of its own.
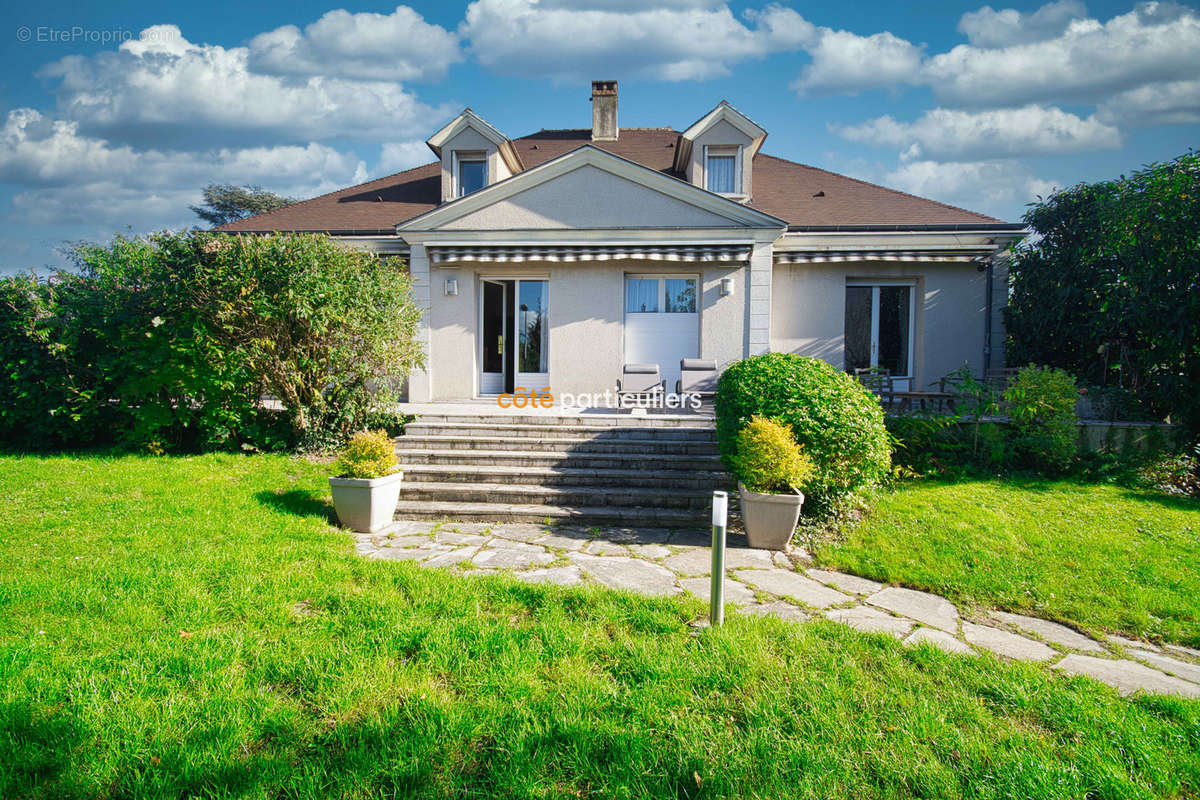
<point x="460" y="156"/>
<point x="726" y="150"/>
<point x="875" y="286"/>
<point x="662" y="278"/>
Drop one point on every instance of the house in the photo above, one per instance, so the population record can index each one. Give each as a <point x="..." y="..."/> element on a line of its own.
<point x="554" y="259"/>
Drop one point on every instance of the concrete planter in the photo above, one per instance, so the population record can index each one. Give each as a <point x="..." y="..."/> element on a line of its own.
<point x="770" y="519"/>
<point x="366" y="505"/>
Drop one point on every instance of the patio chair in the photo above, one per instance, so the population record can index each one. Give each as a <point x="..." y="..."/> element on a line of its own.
<point x="878" y="381"/>
<point x="697" y="376"/>
<point x="641" y="379"/>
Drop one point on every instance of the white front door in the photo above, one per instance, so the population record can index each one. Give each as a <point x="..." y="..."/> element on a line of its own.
<point x="662" y="322"/>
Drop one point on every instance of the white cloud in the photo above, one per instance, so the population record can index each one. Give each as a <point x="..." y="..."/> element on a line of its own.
<point x="1156" y="42"/>
<point x="400" y="46"/>
<point x="949" y="134"/>
<point x="990" y="28"/>
<point x="162" y="88"/>
<point x="1175" y="103"/>
<point x="580" y="40"/>
<point x="989" y="186"/>
<point x="846" y="62"/>
<point x="68" y="178"/>
<point x="399" y="156"/>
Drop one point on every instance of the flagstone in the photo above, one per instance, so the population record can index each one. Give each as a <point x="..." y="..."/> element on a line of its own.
<point x="1006" y="644"/>
<point x="1051" y="631"/>
<point x="847" y="583"/>
<point x="869" y="620"/>
<point x="794" y="585"/>
<point x="1127" y="676"/>
<point x="930" y="609"/>
<point x="940" y="639"/>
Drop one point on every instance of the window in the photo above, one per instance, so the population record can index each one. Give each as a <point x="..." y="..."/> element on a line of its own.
<point x="879" y="327"/>
<point x="671" y="295"/>
<point x="472" y="172"/>
<point x="721" y="170"/>
<point x="532" y="355"/>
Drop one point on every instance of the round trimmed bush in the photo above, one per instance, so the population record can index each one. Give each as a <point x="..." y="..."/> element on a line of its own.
<point x="837" y="422"/>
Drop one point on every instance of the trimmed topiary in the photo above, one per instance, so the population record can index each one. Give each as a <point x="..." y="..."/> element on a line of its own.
<point x="837" y="422"/>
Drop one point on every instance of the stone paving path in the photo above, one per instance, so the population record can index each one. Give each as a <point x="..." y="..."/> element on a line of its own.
<point x="660" y="562"/>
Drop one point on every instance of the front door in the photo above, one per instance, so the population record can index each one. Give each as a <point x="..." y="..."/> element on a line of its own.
<point x="514" y="335"/>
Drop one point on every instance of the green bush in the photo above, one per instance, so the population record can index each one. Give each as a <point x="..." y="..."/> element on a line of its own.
<point x="170" y="342"/>
<point x="767" y="458"/>
<point x="370" y="454"/>
<point x="1041" y="403"/>
<point x="836" y="421"/>
<point x="1109" y="288"/>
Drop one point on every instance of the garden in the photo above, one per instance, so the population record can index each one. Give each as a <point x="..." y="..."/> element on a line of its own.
<point x="180" y="616"/>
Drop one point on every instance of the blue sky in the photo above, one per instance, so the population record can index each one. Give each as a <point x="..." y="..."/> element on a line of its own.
<point x="115" y="115"/>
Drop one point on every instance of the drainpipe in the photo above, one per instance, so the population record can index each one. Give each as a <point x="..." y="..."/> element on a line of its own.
<point x="987" y="320"/>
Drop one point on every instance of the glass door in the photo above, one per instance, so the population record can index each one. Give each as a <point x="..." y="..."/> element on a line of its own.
<point x="879" y="328"/>
<point x="493" y="331"/>
<point x="533" y="333"/>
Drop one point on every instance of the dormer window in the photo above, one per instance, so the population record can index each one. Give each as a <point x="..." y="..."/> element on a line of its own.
<point x="721" y="170"/>
<point x="471" y="172"/>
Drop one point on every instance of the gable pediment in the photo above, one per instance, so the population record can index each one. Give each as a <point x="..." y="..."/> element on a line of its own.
<point x="590" y="189"/>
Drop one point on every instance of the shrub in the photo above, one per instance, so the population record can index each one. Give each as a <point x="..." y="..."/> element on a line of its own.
<point x="170" y="341"/>
<point x="370" y="454"/>
<point x="1109" y="288"/>
<point x="1177" y="474"/>
<point x="836" y="421"/>
<point x="767" y="458"/>
<point x="1041" y="403"/>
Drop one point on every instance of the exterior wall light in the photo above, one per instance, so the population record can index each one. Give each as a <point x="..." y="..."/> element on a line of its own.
<point x="451" y="287"/>
<point x="726" y="287"/>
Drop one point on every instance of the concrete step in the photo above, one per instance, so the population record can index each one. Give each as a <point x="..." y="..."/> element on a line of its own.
<point x="586" y="432"/>
<point x="680" y="481"/>
<point x="591" y="420"/>
<point x="521" y="495"/>
<point x="467" y="441"/>
<point x="600" y="516"/>
<point x="527" y="459"/>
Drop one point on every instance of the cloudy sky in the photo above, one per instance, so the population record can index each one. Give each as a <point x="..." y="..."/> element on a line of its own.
<point x="115" y="116"/>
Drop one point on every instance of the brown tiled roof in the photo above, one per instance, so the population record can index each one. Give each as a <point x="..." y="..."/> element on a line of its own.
<point x="800" y="194"/>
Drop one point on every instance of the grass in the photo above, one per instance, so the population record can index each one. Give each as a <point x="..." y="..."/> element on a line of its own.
<point x="1101" y="557"/>
<point x="195" y="627"/>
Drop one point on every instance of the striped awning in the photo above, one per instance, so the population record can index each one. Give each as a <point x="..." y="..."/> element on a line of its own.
<point x="516" y="255"/>
<point x="837" y="256"/>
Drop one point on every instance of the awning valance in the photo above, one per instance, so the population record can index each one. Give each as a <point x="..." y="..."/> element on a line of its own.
<point x="837" y="256"/>
<point x="515" y="255"/>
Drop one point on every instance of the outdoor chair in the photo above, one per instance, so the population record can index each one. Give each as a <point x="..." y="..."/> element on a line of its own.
<point x="878" y="381"/>
<point x="641" y="379"/>
<point x="697" y="376"/>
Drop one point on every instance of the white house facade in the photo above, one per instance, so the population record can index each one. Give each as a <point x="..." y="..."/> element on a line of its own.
<point x="555" y="259"/>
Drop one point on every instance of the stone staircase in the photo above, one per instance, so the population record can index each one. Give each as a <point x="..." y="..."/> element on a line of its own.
<point x="602" y="470"/>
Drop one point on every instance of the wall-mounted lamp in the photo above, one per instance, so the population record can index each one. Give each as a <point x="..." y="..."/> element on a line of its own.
<point x="726" y="287"/>
<point x="451" y="287"/>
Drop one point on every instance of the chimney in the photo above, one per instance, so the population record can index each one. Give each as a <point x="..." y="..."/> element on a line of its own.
<point x="604" y="111"/>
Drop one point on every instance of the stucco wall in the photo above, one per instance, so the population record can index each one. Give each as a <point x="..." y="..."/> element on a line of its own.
<point x="587" y="197"/>
<point x="808" y="312"/>
<point x="721" y="133"/>
<point x="586" y="321"/>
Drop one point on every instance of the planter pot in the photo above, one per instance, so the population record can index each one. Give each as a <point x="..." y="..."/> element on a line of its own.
<point x="366" y="505"/>
<point x="770" y="519"/>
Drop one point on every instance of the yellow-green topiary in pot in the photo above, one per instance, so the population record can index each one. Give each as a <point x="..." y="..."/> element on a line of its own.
<point x="771" y="470"/>
<point x="367" y="487"/>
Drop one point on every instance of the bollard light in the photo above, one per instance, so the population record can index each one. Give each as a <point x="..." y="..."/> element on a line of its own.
<point x="716" y="602"/>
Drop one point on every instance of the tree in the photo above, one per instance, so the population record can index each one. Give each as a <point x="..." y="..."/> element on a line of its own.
<point x="1111" y="289"/>
<point x="224" y="202"/>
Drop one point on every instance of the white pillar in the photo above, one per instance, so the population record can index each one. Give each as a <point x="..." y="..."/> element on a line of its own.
<point x="420" y="382"/>
<point x="758" y="340"/>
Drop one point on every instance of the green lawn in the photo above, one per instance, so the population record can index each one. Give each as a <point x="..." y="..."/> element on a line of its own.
<point x="1103" y="557"/>
<point x="179" y="627"/>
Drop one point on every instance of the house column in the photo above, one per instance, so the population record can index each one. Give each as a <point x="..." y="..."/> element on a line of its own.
<point x="420" y="384"/>
<point x="758" y="339"/>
